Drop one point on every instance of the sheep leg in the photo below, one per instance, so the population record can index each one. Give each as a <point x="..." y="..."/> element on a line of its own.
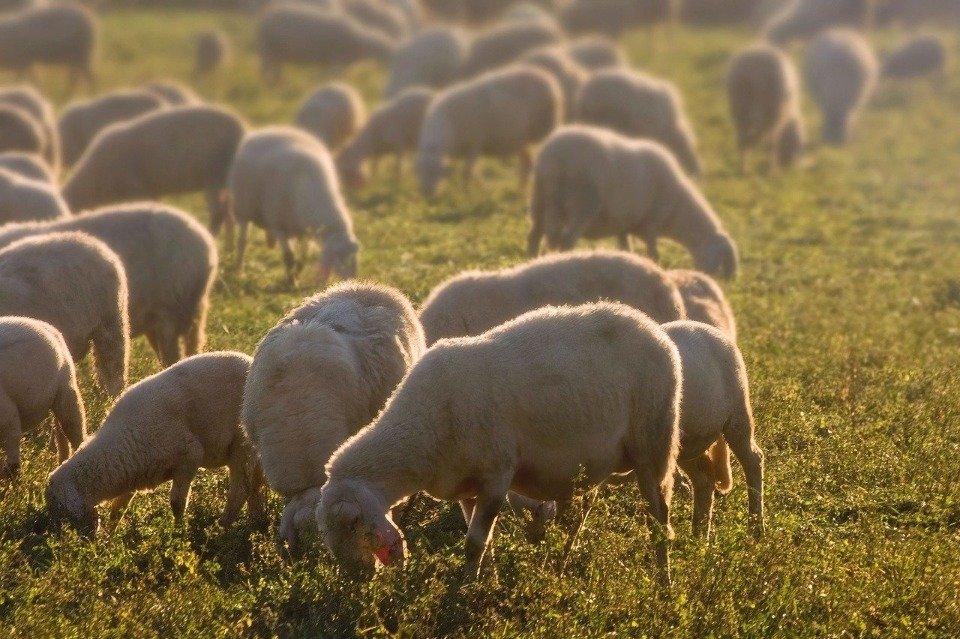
<point x="583" y="206"/>
<point x="466" y="507"/>
<point x="220" y="213"/>
<point x="751" y="459"/>
<point x="111" y="353"/>
<point x="482" y="521"/>
<point x="289" y="261"/>
<point x="12" y="432"/>
<point x="60" y="443"/>
<point x="624" y="243"/>
<point x="180" y="492"/>
<point x="166" y="343"/>
<point x="70" y="420"/>
<point x="398" y="168"/>
<point x="652" y="251"/>
<point x="242" y="229"/>
<point x="237" y="490"/>
<point x="699" y="471"/>
<point x="543" y="512"/>
<point x="577" y="525"/>
<point x="468" y="177"/>
<point x="524" y="168"/>
<point x="117" y="507"/>
<point x="657" y="518"/>
<point x="256" y="493"/>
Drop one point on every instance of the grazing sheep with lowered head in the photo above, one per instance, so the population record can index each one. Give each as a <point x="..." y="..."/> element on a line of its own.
<point x="505" y="43"/>
<point x="22" y="200"/>
<point x="333" y="114"/>
<point x="923" y="55"/>
<point x="569" y="75"/>
<point x="28" y="99"/>
<point x="432" y="58"/>
<point x="213" y="53"/>
<point x="704" y="301"/>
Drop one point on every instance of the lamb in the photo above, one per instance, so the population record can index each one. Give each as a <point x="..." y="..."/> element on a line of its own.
<point x="393" y="129"/>
<point x="641" y="106"/>
<point x="28" y="165"/>
<point x="841" y="71"/>
<point x="167" y="426"/>
<point x="923" y="55"/>
<point x="476" y="301"/>
<point x="431" y="59"/>
<point x="704" y="301"/>
<point x="62" y="34"/>
<point x="170" y="262"/>
<point x="612" y="18"/>
<point x="78" y="285"/>
<point x="291" y="33"/>
<point x="595" y="53"/>
<point x="323" y="372"/>
<point x="213" y="53"/>
<point x="28" y="99"/>
<point x="802" y="19"/>
<point x="460" y="427"/>
<point x="333" y="114"/>
<point x="172" y="92"/>
<point x="286" y="182"/>
<point x="591" y="182"/>
<point x="500" y="45"/>
<point x="23" y="200"/>
<point x="568" y="74"/>
<point x="764" y="96"/>
<point x="500" y="113"/>
<point x="81" y="121"/>
<point x="166" y="152"/>
<point x="19" y="131"/>
<point x="37" y="377"/>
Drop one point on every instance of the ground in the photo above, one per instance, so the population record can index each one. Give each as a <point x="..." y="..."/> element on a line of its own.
<point x="848" y="304"/>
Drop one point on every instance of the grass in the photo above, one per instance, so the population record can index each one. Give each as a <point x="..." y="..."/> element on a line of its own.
<point x="849" y="310"/>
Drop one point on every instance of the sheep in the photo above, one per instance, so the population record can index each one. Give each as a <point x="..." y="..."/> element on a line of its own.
<point x="764" y="97"/>
<point x="476" y="301"/>
<point x="639" y="105"/>
<point x="612" y="18"/>
<point x="323" y="372"/>
<point x="57" y="34"/>
<point x="212" y="52"/>
<point x="37" y="377"/>
<point x="377" y="16"/>
<point x="591" y="182"/>
<point x="392" y="129"/>
<point x="715" y="415"/>
<point x="841" y="71"/>
<point x="78" y="285"/>
<point x="28" y="165"/>
<point x="923" y="55"/>
<point x="333" y="114"/>
<point x="529" y="13"/>
<point x="503" y="44"/>
<point x="170" y="262"/>
<point x="301" y="34"/>
<point x="22" y="200"/>
<point x="166" y="152"/>
<point x="913" y="12"/>
<point x="500" y="113"/>
<point x="535" y="405"/>
<point x="29" y="100"/>
<point x="432" y="59"/>
<point x="165" y="427"/>
<point x="568" y="74"/>
<point x="286" y="182"/>
<point x="81" y="121"/>
<point x="172" y="92"/>
<point x="704" y="301"/>
<point x="19" y="131"/>
<point x="595" y="53"/>
<point x="411" y="12"/>
<point x="802" y="19"/>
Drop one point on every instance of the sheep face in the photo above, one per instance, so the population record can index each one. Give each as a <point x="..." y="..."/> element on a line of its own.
<point x="339" y="256"/>
<point x="718" y="256"/>
<point x="352" y="173"/>
<point x="431" y="168"/>
<point x="65" y="503"/>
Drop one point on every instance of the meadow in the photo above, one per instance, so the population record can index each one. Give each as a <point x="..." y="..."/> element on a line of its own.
<point x="848" y="308"/>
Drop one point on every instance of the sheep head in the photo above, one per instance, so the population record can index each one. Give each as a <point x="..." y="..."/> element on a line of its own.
<point x="64" y="502"/>
<point x="717" y="256"/>
<point x="339" y="256"/>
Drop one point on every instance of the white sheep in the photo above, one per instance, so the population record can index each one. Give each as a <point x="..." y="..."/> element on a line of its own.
<point x="614" y="17"/>
<point x="923" y="55"/>
<point x="569" y="75"/>
<point x="170" y="262"/>
<point x="19" y="131"/>
<point x="165" y="427"/>
<point x="323" y="372"/>
<point x="22" y="200"/>
<point x="596" y="52"/>
<point x="591" y="182"/>
<point x="841" y="73"/>
<point x="76" y="284"/>
<point x="28" y="99"/>
<point x="172" y="92"/>
<point x="37" y="377"/>
<point x="392" y="129"/>
<point x="764" y="96"/>
<point x="910" y="13"/>
<point x="639" y="105"/>
<point x="212" y="52"/>
<point x="286" y="182"/>
<point x="378" y="16"/>
<point x="432" y="59"/>
<point x="333" y="114"/>
<point x="81" y="121"/>
<point x="502" y="44"/>
<point x="704" y="301"/>
<point x="476" y="301"/>
<point x="530" y="13"/>
<point x="28" y="165"/>
<point x="498" y="114"/>
<point x="802" y="19"/>
<point x="166" y="152"/>
<point x="536" y="405"/>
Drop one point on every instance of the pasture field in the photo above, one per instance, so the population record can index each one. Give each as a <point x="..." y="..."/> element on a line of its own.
<point x="848" y="304"/>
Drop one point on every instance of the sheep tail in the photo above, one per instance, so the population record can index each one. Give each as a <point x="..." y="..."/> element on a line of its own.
<point x="719" y="455"/>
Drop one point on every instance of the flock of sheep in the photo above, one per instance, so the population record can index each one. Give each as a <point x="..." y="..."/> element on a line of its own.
<point x="572" y="369"/>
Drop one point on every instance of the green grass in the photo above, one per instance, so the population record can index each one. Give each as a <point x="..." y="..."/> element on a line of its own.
<point x="849" y="310"/>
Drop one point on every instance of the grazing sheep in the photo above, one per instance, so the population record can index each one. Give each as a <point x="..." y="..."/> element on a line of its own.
<point x="476" y="301"/>
<point x="29" y="100"/>
<point x="432" y="59"/>
<point x="213" y="53"/>
<point x="595" y="53"/>
<point x="505" y="43"/>
<point x="715" y="414"/>
<point x="28" y="165"/>
<point x="704" y="301"/>
<point x="534" y="405"/>
<point x="764" y="96"/>
<point x="76" y="284"/>
<point x="291" y="33"/>
<point x="170" y="261"/>
<point x="322" y="373"/>
<point x="167" y="152"/>
<point x="165" y="427"/>
<point x="641" y="106"/>
<point x="841" y="72"/>
<point x="910" y="13"/>
<point x="37" y="377"/>
<point x="568" y="74"/>
<point x="529" y="13"/>
<point x="614" y="17"/>
<point x="172" y="92"/>
<point x="591" y="182"/>
<point x="803" y="19"/>
<point x="377" y="16"/>
<point x="500" y="113"/>
<point x="81" y="121"/>
<point x="62" y="34"/>
<point x="393" y="129"/>
<point x="285" y="181"/>
<point x="22" y="200"/>
<point x="333" y="114"/>
<point x="19" y="131"/>
<point x="923" y="55"/>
